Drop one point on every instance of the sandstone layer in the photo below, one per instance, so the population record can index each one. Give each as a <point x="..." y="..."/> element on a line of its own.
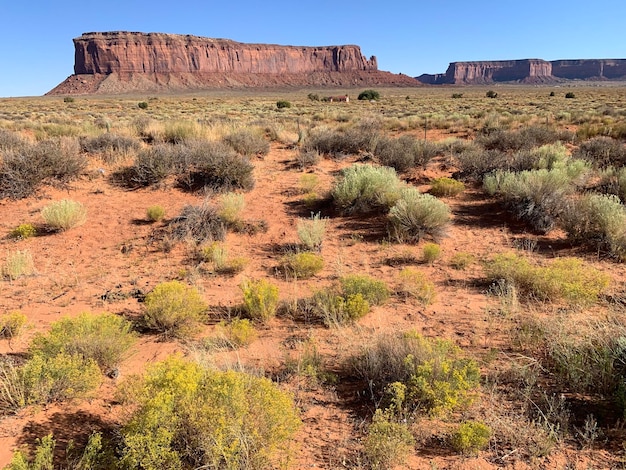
<point x="528" y="71"/>
<point x="120" y="62"/>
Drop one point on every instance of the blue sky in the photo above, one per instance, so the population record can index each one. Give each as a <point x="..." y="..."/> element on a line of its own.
<point x="411" y="37"/>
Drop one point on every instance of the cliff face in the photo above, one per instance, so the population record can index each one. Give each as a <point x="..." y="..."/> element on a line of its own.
<point x="528" y="71"/>
<point x="168" y="62"/>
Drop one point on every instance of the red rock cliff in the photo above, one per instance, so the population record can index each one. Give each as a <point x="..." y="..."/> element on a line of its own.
<point x="121" y="52"/>
<point x="120" y="62"/>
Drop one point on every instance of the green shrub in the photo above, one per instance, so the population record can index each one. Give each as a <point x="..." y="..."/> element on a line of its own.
<point x="457" y="95"/>
<point x="446" y="187"/>
<point x="283" y="104"/>
<point x="190" y="417"/>
<point x="142" y="105"/>
<point x="233" y="335"/>
<point x="217" y="254"/>
<point x="104" y="338"/>
<point x="229" y="209"/>
<point x="360" y="137"/>
<point x="461" y="260"/>
<point x="369" y="95"/>
<point x="64" y="214"/>
<point x="312" y="231"/>
<point x="491" y="94"/>
<point x="416" y="215"/>
<point x="388" y="443"/>
<point x="471" y="437"/>
<point x="155" y="213"/>
<point x="246" y="142"/>
<point x="173" y="309"/>
<point x="108" y="142"/>
<point x="525" y="138"/>
<point x="366" y="188"/>
<point x="570" y="94"/>
<point x="568" y="279"/>
<point x="154" y="164"/>
<point x="422" y="374"/>
<point x="68" y="99"/>
<point x="24" y="168"/>
<point x="44" y="380"/>
<point x="414" y="284"/>
<point x="176" y="132"/>
<point x="92" y="457"/>
<point x="536" y="197"/>
<point x="199" y="224"/>
<point x="18" y="263"/>
<point x="431" y="252"/>
<point x="597" y="221"/>
<point x="335" y="309"/>
<point x="260" y="299"/>
<point x="374" y="291"/>
<point x="11" y="324"/>
<point x="301" y="265"/>
<point x="23" y="231"/>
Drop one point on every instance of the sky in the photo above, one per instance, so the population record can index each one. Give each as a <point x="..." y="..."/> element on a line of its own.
<point x="410" y="37"/>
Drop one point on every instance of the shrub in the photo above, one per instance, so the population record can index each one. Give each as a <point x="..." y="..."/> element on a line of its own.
<point x="174" y="309"/>
<point x="360" y="137"/>
<point x="405" y="152"/>
<point x="312" y="231"/>
<point x="457" y="95"/>
<point x="522" y="139"/>
<point x="11" y="324"/>
<point x="64" y="214"/>
<point x="565" y="278"/>
<point x="416" y="215"/>
<point x="155" y="213"/>
<point x="388" y="443"/>
<point x="229" y="209"/>
<point x="366" y="188"/>
<point x="25" y="168"/>
<point x="307" y="158"/>
<point x="248" y="143"/>
<point x="104" y="338"/>
<point x="44" y="380"/>
<point x="234" y="334"/>
<point x="217" y="167"/>
<point x="18" y="263"/>
<point x="154" y="164"/>
<point x="176" y="132"/>
<point x="431" y="252"/>
<point x="308" y="182"/>
<point x="369" y="95"/>
<point x="491" y="94"/>
<point x="260" y="299"/>
<point x="461" y="260"/>
<point x="570" y="94"/>
<point x="602" y="152"/>
<point x="597" y="221"/>
<point x="446" y="187"/>
<point x="301" y="265"/>
<point x="414" y="284"/>
<point x="470" y="437"/>
<point x="190" y="417"/>
<point x="313" y="96"/>
<point x="283" y="104"/>
<point x="142" y="105"/>
<point x="427" y="375"/>
<point x="108" y="142"/>
<point x="91" y="457"/>
<point x="335" y="309"/>
<point x="199" y="224"/>
<point x="217" y="254"/>
<point x="375" y="292"/>
<point x="23" y="231"/>
<point x="536" y="197"/>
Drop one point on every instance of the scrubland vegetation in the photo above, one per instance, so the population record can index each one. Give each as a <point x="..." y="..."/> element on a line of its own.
<point x="417" y="278"/>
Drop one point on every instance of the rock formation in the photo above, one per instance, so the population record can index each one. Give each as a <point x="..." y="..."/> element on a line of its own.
<point x="114" y="62"/>
<point x="528" y="71"/>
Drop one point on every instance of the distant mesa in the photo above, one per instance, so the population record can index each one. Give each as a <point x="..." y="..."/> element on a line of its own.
<point x="532" y="71"/>
<point x="126" y="62"/>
